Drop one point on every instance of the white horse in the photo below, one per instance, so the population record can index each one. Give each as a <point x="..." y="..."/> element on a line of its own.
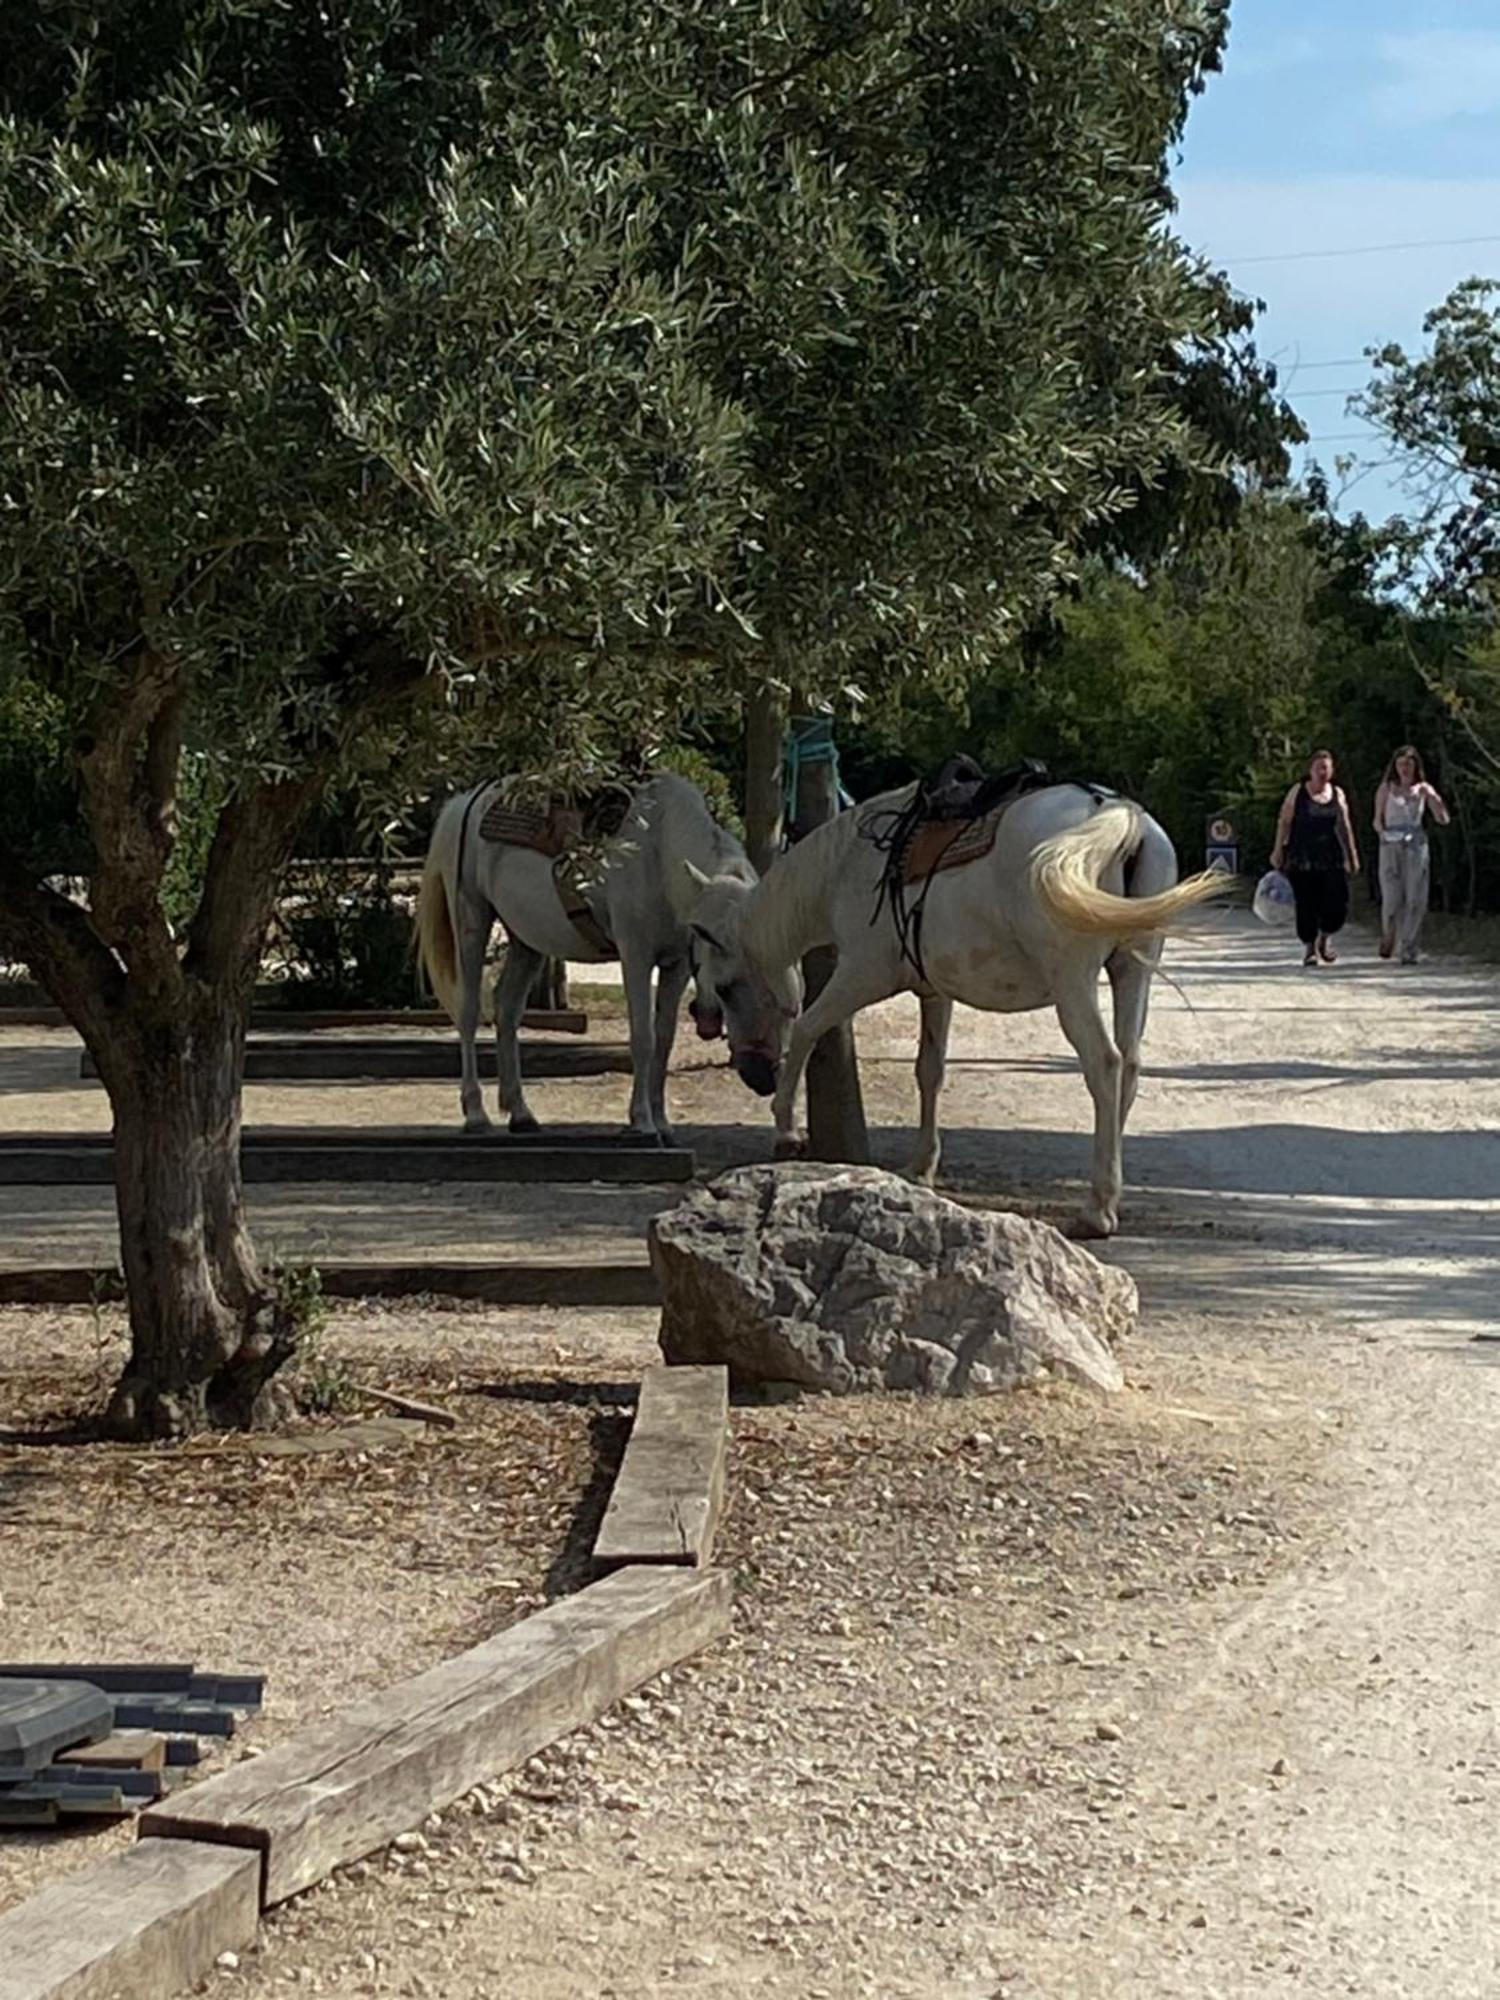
<point x="642" y="896"/>
<point x="1072" y="886"/>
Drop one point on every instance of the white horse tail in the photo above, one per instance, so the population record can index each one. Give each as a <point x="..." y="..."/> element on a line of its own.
<point x="1065" y="872"/>
<point x="437" y="937"/>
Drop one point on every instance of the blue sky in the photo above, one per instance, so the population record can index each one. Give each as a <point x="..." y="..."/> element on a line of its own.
<point x="1340" y="124"/>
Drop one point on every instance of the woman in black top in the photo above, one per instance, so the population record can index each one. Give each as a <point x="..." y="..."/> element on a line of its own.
<point x="1316" y="847"/>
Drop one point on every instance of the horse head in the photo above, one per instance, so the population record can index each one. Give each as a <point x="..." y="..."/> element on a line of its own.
<point x="731" y="995"/>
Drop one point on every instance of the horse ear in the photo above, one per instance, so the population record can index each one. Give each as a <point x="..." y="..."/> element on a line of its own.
<point x="707" y="936"/>
<point x="696" y="874"/>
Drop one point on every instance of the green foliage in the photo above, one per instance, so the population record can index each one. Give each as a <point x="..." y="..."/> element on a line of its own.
<point x="344" y="940"/>
<point x="567" y="346"/>
<point x="1204" y="688"/>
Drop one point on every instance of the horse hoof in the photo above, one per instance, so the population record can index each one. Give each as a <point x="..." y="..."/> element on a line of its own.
<point x="922" y="1176"/>
<point x="789" y="1149"/>
<point x="519" y="1127"/>
<point x="1091" y="1229"/>
<point x="478" y="1125"/>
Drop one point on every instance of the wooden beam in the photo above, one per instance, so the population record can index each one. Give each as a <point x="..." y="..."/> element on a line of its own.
<point x="149" y="1923"/>
<point x="126" y="1749"/>
<point x="87" y="1160"/>
<point x="295" y="1020"/>
<point x="533" y="1283"/>
<point x="406" y="1058"/>
<point x="670" y="1488"/>
<point x="347" y="1786"/>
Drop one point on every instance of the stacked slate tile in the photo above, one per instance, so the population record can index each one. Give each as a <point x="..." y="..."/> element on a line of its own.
<point x="79" y="1741"/>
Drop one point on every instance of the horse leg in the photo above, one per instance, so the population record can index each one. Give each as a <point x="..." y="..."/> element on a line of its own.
<point x="671" y="984"/>
<point x="932" y="1055"/>
<point x="512" y="990"/>
<point x="1078" y="1011"/>
<point x="473" y="922"/>
<point x="845" y="994"/>
<point x="1131" y="970"/>
<point x="636" y="968"/>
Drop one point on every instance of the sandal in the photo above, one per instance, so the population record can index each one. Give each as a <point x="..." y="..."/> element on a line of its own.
<point x="1310" y="959"/>
<point x="1387" y="944"/>
<point x="1326" y="952"/>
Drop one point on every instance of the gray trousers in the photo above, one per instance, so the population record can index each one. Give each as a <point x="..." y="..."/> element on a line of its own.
<point x="1404" y="871"/>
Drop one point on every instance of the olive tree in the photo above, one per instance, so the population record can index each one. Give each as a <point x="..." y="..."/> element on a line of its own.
<point x="594" y="359"/>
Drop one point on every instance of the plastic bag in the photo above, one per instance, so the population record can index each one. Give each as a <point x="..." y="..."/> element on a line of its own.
<point x="1274" y="902"/>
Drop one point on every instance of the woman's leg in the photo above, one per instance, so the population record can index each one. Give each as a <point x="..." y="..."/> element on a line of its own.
<point x="1305" y="896"/>
<point x="1333" y="903"/>
<point x="1416" y="871"/>
<point x="1392" y="896"/>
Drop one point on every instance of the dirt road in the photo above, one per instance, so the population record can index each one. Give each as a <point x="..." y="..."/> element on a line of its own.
<point x="1189" y="1693"/>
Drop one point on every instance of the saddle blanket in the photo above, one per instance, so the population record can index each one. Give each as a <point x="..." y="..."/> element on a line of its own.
<point x="937" y="844"/>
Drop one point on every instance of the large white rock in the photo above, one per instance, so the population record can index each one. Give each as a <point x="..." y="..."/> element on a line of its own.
<point x="849" y="1279"/>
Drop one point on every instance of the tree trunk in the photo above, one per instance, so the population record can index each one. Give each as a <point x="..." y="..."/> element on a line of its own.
<point x="836" y="1127"/>
<point x="550" y="987"/>
<point x="765" y="733"/>
<point x="208" y="1331"/>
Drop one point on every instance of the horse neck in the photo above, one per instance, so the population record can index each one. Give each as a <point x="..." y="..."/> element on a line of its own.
<point x="690" y="833"/>
<point x="791" y="912"/>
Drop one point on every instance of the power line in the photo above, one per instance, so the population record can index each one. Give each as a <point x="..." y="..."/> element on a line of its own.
<point x="1363" y="250"/>
<point x="1343" y="437"/>
<point x="1306" y="395"/>
<point x="1292" y="367"/>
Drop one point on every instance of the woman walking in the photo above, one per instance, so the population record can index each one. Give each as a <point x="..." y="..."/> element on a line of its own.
<point x="1403" y="798"/>
<point x="1315" y="845"/>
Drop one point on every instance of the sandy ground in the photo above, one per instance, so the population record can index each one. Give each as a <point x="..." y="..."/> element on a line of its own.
<point x="1183" y="1693"/>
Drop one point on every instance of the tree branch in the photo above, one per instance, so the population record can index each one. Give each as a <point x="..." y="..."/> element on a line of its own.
<point x="55" y="937"/>
<point x="127" y="764"/>
<point x="256" y="832"/>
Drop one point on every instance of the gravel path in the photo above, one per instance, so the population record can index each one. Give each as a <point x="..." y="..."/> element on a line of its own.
<point x="1186" y="1693"/>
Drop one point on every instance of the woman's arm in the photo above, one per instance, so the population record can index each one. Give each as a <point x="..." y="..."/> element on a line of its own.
<point x="1346" y="828"/>
<point x="1439" y="811"/>
<point x="1284" y="826"/>
<point x="1379" y="820"/>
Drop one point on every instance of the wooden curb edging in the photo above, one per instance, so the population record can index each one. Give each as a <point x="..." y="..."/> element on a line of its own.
<point x="143" y="1924"/>
<point x="537" y="1283"/>
<point x="86" y="1159"/>
<point x="147" y="1923"/>
<point x="670" y="1487"/>
<point x="405" y="1058"/>
<point x="301" y="1020"/>
<point x="336" y="1792"/>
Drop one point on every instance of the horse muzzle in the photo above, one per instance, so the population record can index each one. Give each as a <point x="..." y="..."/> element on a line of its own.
<point x="709" y="1021"/>
<point x="757" y="1071"/>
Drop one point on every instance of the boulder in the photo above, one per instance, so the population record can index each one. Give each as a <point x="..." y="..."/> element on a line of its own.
<point x="848" y="1279"/>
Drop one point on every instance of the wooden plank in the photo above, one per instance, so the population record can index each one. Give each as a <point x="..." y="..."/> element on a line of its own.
<point x="347" y="1786"/>
<point x="147" y="1924"/>
<point x="372" y="1059"/>
<point x="355" y="1160"/>
<point x="670" y="1487"/>
<point x="519" y="1284"/>
<point x="292" y="1020"/>
<point x="130" y="1749"/>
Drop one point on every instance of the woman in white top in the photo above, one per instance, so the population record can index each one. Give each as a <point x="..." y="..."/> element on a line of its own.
<point x="1403" y="798"/>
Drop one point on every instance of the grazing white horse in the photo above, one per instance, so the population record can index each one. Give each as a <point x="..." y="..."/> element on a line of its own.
<point x="642" y="896"/>
<point x="1072" y="886"/>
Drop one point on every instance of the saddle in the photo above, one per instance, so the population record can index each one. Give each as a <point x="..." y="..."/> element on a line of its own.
<point x="953" y="819"/>
<point x="558" y="832"/>
<point x="557" y="828"/>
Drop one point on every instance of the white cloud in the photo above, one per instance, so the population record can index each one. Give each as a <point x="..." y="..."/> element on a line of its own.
<point x="1439" y="75"/>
